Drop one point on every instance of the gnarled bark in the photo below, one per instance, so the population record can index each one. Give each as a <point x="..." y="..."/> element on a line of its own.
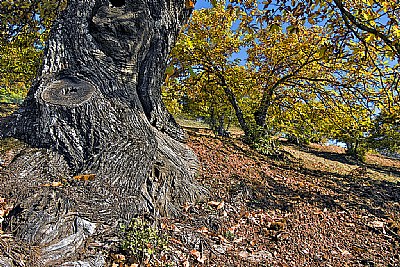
<point x="96" y="109"/>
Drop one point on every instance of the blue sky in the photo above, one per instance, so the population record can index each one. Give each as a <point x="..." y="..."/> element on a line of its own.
<point x="202" y="4"/>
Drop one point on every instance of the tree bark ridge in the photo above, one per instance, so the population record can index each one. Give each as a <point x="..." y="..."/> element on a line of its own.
<point x="96" y="109"/>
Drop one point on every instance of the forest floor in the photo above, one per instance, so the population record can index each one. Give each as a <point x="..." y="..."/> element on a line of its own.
<point x="315" y="207"/>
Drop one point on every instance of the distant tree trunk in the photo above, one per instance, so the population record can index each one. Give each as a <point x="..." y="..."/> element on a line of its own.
<point x="96" y="108"/>
<point x="260" y="115"/>
<point x="235" y="104"/>
<point x="218" y="127"/>
<point x="356" y="150"/>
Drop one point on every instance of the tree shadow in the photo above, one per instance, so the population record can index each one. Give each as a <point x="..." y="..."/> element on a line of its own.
<point x="347" y="192"/>
<point x="353" y="191"/>
<point x="339" y="157"/>
<point x="349" y="160"/>
<point x="378" y="197"/>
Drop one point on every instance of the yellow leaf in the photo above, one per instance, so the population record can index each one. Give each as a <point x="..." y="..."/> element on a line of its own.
<point x="186" y="263"/>
<point x="213" y="203"/>
<point x="85" y="177"/>
<point x="195" y="253"/>
<point x="370" y="38"/>
<point x="55" y="184"/>
<point x="220" y="205"/>
<point x="198" y="256"/>
<point x="202" y="230"/>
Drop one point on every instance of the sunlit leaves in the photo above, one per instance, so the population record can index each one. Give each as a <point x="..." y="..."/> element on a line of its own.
<point x="24" y="27"/>
<point x="355" y="19"/>
<point x="309" y="72"/>
<point x="204" y="64"/>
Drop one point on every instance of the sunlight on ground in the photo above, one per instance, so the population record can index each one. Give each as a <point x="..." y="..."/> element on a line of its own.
<point x="332" y="159"/>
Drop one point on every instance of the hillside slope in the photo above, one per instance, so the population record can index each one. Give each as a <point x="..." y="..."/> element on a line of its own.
<point x="316" y="208"/>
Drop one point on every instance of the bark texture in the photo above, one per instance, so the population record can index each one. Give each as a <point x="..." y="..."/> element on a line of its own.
<point x="96" y="108"/>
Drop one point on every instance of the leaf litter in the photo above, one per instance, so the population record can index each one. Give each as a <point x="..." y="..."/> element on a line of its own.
<point x="286" y="213"/>
<point x="309" y="210"/>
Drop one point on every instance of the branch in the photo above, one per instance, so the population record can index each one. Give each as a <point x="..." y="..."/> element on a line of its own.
<point x="346" y="14"/>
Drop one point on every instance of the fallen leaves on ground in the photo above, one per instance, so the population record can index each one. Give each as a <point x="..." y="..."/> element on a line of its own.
<point x="316" y="208"/>
<point x="5" y="208"/>
<point x="308" y="212"/>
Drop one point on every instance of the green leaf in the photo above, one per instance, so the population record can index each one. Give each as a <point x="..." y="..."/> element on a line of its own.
<point x="170" y="70"/>
<point x="275" y="28"/>
<point x="291" y="29"/>
<point x="191" y="71"/>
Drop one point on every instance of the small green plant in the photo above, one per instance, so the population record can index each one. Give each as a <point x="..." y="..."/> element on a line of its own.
<point x="141" y="240"/>
<point x="266" y="146"/>
<point x="229" y="235"/>
<point x="264" y="142"/>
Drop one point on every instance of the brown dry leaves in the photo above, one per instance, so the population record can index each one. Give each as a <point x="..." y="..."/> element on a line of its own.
<point x="309" y="212"/>
<point x="85" y="177"/>
<point x="5" y="208"/>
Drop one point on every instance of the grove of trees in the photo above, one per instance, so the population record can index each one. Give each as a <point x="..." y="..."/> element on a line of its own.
<point x="24" y="28"/>
<point x="312" y="71"/>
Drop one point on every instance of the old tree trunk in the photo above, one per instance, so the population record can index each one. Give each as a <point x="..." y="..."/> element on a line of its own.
<point x="96" y="108"/>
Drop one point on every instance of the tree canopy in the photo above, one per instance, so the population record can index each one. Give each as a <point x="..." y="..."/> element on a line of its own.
<point x="313" y="70"/>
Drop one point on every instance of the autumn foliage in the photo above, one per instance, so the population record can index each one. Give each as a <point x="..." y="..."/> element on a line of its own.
<point x="305" y="70"/>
